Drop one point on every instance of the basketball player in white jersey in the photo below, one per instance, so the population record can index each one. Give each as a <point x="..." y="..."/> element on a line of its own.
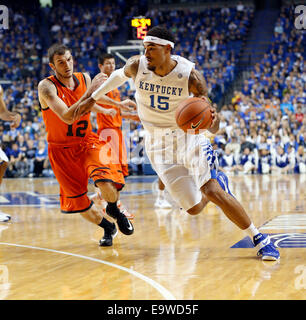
<point x="15" y="119"/>
<point x="189" y="172"/>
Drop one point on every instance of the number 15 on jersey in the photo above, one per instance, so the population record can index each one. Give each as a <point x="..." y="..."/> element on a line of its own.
<point x="159" y="102"/>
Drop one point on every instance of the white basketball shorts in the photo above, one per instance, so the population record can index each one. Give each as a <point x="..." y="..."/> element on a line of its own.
<point x="184" y="162"/>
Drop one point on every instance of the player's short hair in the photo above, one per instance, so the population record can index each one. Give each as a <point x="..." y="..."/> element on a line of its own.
<point x="162" y="33"/>
<point x="104" y="56"/>
<point x="56" y="48"/>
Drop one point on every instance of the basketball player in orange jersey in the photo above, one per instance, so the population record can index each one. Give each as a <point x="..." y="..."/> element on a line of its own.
<point x="162" y="82"/>
<point x="74" y="150"/>
<point x="15" y="119"/>
<point x="111" y="127"/>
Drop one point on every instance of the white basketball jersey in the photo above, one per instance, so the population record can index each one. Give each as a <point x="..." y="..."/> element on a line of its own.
<point x="158" y="97"/>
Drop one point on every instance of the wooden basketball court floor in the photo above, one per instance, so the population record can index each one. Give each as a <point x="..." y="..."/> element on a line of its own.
<point x="48" y="255"/>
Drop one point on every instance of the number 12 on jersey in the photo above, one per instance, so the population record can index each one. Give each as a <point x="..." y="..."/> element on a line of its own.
<point x="160" y="103"/>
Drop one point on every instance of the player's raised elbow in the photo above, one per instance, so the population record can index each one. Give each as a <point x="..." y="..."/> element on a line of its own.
<point x="69" y="122"/>
<point x="66" y="117"/>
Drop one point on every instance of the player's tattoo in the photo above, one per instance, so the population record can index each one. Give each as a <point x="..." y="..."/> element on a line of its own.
<point x="131" y="66"/>
<point x="45" y="90"/>
<point x="197" y="84"/>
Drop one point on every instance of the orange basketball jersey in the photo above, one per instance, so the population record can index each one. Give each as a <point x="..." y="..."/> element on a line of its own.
<point x="60" y="133"/>
<point x="105" y="121"/>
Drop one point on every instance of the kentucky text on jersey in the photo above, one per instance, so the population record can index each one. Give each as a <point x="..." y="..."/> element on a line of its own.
<point x="151" y="87"/>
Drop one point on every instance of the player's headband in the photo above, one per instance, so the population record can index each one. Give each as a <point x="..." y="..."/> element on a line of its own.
<point x="157" y="40"/>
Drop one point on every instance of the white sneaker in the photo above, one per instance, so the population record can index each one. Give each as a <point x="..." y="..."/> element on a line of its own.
<point x="162" y="203"/>
<point x="4" y="217"/>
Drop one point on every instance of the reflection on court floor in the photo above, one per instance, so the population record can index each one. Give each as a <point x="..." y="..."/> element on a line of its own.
<point x="48" y="255"/>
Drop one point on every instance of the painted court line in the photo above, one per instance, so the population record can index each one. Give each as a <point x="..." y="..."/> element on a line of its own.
<point x="163" y="291"/>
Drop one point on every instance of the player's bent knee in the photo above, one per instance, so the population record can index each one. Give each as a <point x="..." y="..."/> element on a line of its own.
<point x="213" y="191"/>
<point x="108" y="190"/>
<point x="105" y="185"/>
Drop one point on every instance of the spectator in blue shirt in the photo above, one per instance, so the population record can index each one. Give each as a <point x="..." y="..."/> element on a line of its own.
<point x="14" y="155"/>
<point x="264" y="161"/>
<point x="286" y="105"/>
<point x="280" y="161"/>
<point x="246" y="162"/>
<point x="300" y="160"/>
<point x="40" y="158"/>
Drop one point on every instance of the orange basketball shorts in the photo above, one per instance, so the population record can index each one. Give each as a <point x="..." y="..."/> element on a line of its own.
<point x="114" y="148"/>
<point x="74" y="165"/>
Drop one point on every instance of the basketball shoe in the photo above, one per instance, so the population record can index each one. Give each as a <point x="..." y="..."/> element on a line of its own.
<point x="4" y="217"/>
<point x="124" y="224"/>
<point x="267" y="251"/>
<point x="99" y="201"/>
<point x="121" y="207"/>
<point x="109" y="235"/>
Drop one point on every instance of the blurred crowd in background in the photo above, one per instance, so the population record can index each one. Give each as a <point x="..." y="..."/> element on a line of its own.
<point x="262" y="129"/>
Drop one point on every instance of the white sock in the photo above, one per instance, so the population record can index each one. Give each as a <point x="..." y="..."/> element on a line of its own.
<point x="251" y="231"/>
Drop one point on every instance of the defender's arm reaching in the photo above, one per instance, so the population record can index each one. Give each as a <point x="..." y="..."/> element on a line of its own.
<point x="116" y="79"/>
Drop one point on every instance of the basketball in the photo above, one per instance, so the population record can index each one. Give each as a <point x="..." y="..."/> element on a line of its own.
<point x="194" y="114"/>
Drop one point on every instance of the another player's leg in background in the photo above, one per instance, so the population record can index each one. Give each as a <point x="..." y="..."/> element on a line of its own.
<point x="161" y="202"/>
<point x="97" y="198"/>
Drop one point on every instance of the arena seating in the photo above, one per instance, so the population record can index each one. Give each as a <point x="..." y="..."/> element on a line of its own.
<point x="266" y="116"/>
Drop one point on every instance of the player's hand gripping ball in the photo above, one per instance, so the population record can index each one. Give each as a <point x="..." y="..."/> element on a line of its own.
<point x="194" y="114"/>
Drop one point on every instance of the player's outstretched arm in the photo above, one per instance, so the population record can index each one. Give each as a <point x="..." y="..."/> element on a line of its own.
<point x="6" y="115"/>
<point x="130" y="115"/>
<point x="98" y="109"/>
<point x="48" y="97"/>
<point x="197" y="86"/>
<point x="118" y="78"/>
<point x="126" y="104"/>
